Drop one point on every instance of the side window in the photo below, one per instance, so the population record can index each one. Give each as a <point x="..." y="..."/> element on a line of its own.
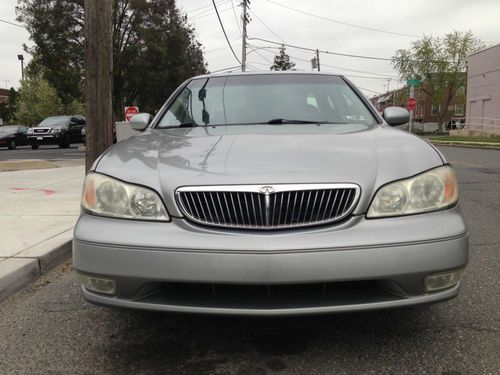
<point x="23" y="130"/>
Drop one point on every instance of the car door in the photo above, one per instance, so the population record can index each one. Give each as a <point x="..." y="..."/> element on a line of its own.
<point x="22" y="136"/>
<point x="76" y="124"/>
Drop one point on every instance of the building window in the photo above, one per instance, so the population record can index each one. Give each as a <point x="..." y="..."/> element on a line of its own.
<point x="459" y="109"/>
<point x="435" y="109"/>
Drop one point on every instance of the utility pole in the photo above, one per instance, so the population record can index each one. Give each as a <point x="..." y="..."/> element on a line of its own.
<point x="317" y="60"/>
<point x="244" y="3"/>
<point x="98" y="78"/>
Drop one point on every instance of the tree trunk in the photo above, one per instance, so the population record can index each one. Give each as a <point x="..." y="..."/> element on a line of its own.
<point x="98" y="78"/>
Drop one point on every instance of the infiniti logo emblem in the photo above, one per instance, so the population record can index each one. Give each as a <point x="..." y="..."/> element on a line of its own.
<point x="266" y="189"/>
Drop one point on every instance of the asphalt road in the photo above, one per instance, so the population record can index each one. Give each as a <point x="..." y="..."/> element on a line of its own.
<point x="48" y="328"/>
<point x="50" y="153"/>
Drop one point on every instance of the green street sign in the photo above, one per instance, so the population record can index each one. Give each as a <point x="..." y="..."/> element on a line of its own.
<point x="413" y="82"/>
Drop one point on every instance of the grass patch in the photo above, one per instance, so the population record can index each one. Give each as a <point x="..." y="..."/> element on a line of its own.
<point x="448" y="138"/>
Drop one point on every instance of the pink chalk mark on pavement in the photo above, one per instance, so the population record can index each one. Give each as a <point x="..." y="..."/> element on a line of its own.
<point x="45" y="191"/>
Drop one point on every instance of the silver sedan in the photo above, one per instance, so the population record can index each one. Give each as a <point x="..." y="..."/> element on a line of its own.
<point x="270" y="194"/>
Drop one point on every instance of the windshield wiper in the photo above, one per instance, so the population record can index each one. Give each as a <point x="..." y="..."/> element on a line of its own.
<point x="281" y="121"/>
<point x="187" y="125"/>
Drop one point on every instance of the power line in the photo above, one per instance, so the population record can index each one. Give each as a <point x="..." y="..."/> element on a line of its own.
<point x="207" y="13"/>
<point x="12" y="23"/>
<point x="382" y="76"/>
<point x="224" y="31"/>
<point x="375" y="92"/>
<point x="342" y="22"/>
<point x="267" y="27"/>
<point x="236" y="17"/>
<point x="220" y="2"/>
<point x="323" y="51"/>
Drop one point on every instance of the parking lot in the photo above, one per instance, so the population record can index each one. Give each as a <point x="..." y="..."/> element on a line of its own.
<point x="49" y="328"/>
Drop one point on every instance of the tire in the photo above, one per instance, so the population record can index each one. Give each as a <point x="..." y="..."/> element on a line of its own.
<point x="34" y="147"/>
<point x="12" y="145"/>
<point x="66" y="142"/>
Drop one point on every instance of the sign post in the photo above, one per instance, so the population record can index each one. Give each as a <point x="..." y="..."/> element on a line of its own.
<point x="131" y="112"/>
<point x="412" y="103"/>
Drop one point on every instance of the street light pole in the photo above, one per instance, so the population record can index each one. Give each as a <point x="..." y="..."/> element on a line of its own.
<point x="21" y="58"/>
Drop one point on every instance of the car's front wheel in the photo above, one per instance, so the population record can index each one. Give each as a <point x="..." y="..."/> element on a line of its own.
<point x="12" y="145"/>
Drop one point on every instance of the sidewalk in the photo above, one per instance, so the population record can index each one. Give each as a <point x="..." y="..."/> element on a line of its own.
<point x="38" y="210"/>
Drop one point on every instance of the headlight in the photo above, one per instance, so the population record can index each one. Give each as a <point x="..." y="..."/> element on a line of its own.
<point x="30" y="131"/>
<point x="430" y="191"/>
<point x="55" y="130"/>
<point x="106" y="196"/>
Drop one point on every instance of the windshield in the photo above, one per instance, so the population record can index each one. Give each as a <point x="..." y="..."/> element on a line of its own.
<point x="54" y="121"/>
<point x="8" y="129"/>
<point x="267" y="99"/>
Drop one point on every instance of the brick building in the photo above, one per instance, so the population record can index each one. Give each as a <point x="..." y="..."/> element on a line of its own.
<point x="4" y="95"/>
<point x="426" y="111"/>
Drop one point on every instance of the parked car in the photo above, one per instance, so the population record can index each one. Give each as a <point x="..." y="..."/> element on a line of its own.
<point x="270" y="194"/>
<point x="12" y="136"/>
<point x="58" y="130"/>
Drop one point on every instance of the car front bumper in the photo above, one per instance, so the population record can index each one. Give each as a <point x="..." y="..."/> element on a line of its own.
<point x="45" y="139"/>
<point x="358" y="265"/>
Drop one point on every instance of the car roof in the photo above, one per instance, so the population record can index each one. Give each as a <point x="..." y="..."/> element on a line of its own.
<point x="285" y="72"/>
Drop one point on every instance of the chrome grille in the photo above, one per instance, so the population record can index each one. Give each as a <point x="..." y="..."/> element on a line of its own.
<point x="40" y="131"/>
<point x="267" y="206"/>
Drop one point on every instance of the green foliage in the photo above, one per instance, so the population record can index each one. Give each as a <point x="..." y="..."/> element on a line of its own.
<point x="154" y="49"/>
<point x="37" y="99"/>
<point x="282" y="61"/>
<point x="76" y="107"/>
<point x="440" y="63"/>
<point x="8" y="109"/>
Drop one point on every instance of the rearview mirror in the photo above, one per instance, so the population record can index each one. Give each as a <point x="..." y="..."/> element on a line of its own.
<point x="140" y="121"/>
<point x="395" y="116"/>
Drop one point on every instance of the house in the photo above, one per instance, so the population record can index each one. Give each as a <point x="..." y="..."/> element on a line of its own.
<point x="483" y="90"/>
<point x="426" y="111"/>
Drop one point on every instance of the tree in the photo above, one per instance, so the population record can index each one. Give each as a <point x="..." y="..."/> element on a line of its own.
<point x="441" y="65"/>
<point x="282" y="61"/>
<point x="8" y="109"/>
<point x="154" y="49"/>
<point x="37" y="99"/>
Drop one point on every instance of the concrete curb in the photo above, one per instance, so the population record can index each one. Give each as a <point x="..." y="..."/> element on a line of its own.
<point x="16" y="272"/>
<point x="467" y="145"/>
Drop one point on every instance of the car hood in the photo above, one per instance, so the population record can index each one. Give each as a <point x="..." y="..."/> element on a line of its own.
<point x="6" y="135"/>
<point x="169" y="158"/>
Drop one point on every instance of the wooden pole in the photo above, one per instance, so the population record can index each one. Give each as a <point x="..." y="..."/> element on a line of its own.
<point x="98" y="78"/>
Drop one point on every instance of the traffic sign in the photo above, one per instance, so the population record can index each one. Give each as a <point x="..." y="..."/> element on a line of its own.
<point x="131" y="112"/>
<point x="411" y="104"/>
<point x="413" y="82"/>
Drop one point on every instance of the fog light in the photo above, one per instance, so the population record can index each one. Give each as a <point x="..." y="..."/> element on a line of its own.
<point x="442" y="280"/>
<point x="97" y="284"/>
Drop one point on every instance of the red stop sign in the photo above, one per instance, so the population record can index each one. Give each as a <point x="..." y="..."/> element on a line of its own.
<point x="130" y="112"/>
<point x="411" y="104"/>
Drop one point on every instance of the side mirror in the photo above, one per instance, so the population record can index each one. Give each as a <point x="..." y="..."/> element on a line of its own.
<point x="395" y="116"/>
<point x="140" y="121"/>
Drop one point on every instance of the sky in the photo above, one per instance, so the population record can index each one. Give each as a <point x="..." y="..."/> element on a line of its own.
<point x="329" y="25"/>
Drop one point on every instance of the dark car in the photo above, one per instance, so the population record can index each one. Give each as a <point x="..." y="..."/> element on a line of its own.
<point x="58" y="130"/>
<point x="12" y="136"/>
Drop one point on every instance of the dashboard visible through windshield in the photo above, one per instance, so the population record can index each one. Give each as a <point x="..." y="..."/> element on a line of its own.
<point x="266" y="99"/>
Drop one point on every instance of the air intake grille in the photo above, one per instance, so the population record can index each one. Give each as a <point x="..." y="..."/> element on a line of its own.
<point x="268" y="206"/>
